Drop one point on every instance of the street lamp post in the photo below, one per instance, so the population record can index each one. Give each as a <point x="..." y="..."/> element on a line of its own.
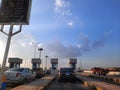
<point x="35" y="46"/>
<point x="40" y="49"/>
<point x="46" y="62"/>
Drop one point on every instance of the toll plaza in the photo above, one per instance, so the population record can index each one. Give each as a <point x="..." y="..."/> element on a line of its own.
<point x="54" y="65"/>
<point x="73" y="62"/>
<point x="14" y="62"/>
<point x="35" y="63"/>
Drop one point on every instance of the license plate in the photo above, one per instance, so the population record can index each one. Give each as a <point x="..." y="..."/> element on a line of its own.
<point x="67" y="74"/>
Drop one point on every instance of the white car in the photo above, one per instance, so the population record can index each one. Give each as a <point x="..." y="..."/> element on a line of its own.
<point x="19" y="75"/>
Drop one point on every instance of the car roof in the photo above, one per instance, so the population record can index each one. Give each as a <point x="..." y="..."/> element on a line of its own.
<point x="65" y="68"/>
<point x="17" y="69"/>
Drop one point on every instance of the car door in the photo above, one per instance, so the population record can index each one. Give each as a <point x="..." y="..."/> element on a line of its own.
<point x="32" y="74"/>
<point x="29" y="74"/>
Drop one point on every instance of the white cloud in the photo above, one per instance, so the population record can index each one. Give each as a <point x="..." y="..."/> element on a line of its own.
<point x="59" y="3"/>
<point x="64" y="13"/>
<point x="22" y="39"/>
<point x="70" y="23"/>
<point x="62" y="8"/>
<point x="85" y="42"/>
<point x="78" y="45"/>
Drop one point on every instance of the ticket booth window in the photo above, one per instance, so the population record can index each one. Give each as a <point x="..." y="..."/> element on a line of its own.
<point x="11" y="65"/>
<point x="53" y="66"/>
<point x="34" y="65"/>
<point x="38" y="65"/>
<point x="73" y="66"/>
<point x="16" y="65"/>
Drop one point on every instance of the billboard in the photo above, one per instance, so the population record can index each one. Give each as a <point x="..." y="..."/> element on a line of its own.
<point x="15" y="12"/>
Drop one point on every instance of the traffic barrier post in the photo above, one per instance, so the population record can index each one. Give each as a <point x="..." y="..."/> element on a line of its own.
<point x="3" y="83"/>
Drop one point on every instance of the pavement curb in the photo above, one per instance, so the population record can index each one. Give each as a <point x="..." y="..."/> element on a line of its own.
<point x="48" y="84"/>
<point x="90" y="85"/>
<point x="117" y="81"/>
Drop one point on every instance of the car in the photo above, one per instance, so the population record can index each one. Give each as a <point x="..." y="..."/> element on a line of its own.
<point x="39" y="72"/>
<point x="19" y="75"/>
<point x="47" y="72"/>
<point x="66" y="74"/>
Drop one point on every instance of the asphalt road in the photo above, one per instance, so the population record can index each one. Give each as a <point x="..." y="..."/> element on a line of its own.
<point x="66" y="85"/>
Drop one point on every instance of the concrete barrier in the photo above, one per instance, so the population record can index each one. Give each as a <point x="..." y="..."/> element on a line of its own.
<point x="40" y="84"/>
<point x="114" y="80"/>
<point x="87" y="83"/>
<point x="94" y="84"/>
<point x="98" y="88"/>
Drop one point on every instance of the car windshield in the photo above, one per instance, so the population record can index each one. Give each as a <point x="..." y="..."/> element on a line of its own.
<point x="16" y="69"/>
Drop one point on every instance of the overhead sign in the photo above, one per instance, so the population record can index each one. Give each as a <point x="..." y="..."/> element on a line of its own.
<point x="15" y="12"/>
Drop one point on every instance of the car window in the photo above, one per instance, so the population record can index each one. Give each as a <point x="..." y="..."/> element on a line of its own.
<point x="16" y="69"/>
<point x="29" y="71"/>
<point x="66" y="70"/>
<point x="25" y="70"/>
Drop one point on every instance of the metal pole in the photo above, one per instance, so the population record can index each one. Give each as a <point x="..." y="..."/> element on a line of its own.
<point x="40" y="49"/>
<point x="35" y="50"/>
<point x="40" y="54"/>
<point x="46" y="61"/>
<point x="6" y="52"/>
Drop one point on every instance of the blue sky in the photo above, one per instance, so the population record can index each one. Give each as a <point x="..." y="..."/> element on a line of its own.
<point x="85" y="29"/>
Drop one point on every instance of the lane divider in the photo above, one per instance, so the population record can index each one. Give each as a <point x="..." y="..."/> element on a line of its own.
<point x="88" y="84"/>
<point x="41" y="84"/>
<point x="114" y="80"/>
<point x="48" y="84"/>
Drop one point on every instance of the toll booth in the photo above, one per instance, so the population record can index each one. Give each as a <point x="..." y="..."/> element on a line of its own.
<point x="73" y="63"/>
<point x="14" y="62"/>
<point x="54" y="66"/>
<point x="35" y="63"/>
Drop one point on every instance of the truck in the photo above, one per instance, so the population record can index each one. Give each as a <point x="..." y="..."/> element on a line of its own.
<point x="99" y="71"/>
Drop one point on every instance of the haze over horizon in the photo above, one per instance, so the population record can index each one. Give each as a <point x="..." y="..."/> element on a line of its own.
<point x="88" y="30"/>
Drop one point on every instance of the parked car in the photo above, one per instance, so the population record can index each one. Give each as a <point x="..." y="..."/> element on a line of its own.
<point x="47" y="72"/>
<point x="66" y="74"/>
<point x="19" y="75"/>
<point x="39" y="72"/>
